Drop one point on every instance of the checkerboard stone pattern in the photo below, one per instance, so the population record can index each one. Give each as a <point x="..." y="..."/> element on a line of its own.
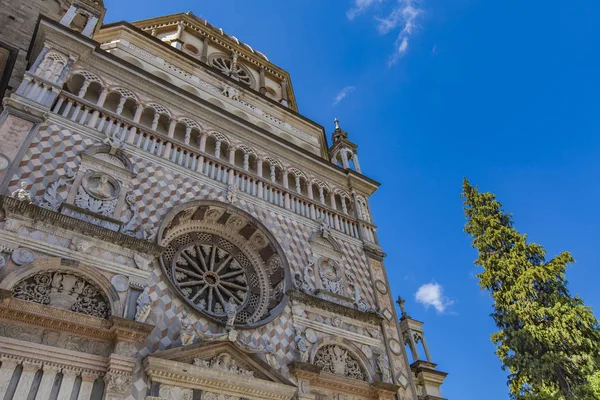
<point x="157" y="191"/>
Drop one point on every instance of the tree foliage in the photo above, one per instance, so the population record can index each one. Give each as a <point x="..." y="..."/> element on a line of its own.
<point x="548" y="340"/>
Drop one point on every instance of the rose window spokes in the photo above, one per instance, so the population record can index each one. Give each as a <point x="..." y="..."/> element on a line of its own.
<point x="225" y="65"/>
<point x="209" y="276"/>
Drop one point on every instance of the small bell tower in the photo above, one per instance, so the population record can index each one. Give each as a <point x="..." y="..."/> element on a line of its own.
<point x="84" y="16"/>
<point x="427" y="379"/>
<point x="343" y="152"/>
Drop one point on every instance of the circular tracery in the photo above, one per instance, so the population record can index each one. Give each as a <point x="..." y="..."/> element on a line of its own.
<point x="226" y="66"/>
<point x="215" y="256"/>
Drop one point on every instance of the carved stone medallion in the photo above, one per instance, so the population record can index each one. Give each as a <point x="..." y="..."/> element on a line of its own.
<point x="22" y="256"/>
<point x="120" y="282"/>
<point x="101" y="186"/>
<point x="311" y="335"/>
<point x="4" y="162"/>
<point x="396" y="347"/>
<point x="381" y="287"/>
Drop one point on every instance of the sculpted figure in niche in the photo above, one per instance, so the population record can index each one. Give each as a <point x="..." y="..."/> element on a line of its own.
<point x="231" y="311"/>
<point x="302" y="347"/>
<point x="143" y="306"/>
<point x="101" y="188"/>
<point x="187" y="332"/>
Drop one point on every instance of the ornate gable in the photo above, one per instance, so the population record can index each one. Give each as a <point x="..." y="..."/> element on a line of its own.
<point x="220" y="368"/>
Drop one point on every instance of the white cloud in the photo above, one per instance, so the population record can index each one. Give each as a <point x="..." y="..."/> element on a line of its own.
<point x="432" y="295"/>
<point x="360" y="6"/>
<point x="343" y="94"/>
<point x="403" y="17"/>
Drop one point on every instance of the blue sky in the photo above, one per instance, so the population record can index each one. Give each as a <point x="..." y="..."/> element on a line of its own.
<point x="502" y="92"/>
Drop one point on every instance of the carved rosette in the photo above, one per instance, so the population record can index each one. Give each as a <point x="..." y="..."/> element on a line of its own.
<point x="215" y="256"/>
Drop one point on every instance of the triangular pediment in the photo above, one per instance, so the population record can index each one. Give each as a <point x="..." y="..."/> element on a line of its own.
<point x="225" y="357"/>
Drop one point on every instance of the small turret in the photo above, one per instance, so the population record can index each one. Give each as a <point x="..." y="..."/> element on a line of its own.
<point x="343" y="152"/>
<point x="427" y="378"/>
<point x="84" y="16"/>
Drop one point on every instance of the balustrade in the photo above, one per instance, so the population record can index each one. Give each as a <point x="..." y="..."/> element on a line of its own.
<point x="115" y="126"/>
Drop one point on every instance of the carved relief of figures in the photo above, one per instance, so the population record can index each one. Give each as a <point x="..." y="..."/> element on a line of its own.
<point x="304" y="281"/>
<point x="302" y="346"/>
<point x="223" y="362"/>
<point x="217" y="396"/>
<point x="331" y="276"/>
<point x="383" y="366"/>
<point x="187" y="331"/>
<point x="65" y="291"/>
<point x="144" y="305"/>
<point x="98" y="193"/>
<point x="336" y="360"/>
<point x="22" y="194"/>
<point x="168" y="392"/>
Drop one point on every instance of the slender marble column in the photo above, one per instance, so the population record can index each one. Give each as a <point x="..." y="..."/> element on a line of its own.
<point x="26" y="379"/>
<point x="6" y="372"/>
<point x="87" y="384"/>
<point x="67" y="384"/>
<point x="48" y="378"/>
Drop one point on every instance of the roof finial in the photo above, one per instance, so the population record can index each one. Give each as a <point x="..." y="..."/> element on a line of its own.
<point x="401" y="302"/>
<point x="337" y="123"/>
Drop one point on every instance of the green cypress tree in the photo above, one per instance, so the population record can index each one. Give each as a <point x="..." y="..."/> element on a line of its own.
<point x="548" y="340"/>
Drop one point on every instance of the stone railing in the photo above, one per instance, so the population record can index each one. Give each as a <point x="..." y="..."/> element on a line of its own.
<point x="85" y="113"/>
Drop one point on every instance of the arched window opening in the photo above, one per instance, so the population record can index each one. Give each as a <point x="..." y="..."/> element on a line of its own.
<point x="79" y="22"/>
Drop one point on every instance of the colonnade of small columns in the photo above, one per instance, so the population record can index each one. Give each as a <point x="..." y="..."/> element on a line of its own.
<point x="29" y="369"/>
<point x="346" y="156"/>
<point x="157" y="118"/>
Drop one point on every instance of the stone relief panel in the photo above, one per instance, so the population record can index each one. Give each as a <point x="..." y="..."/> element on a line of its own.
<point x="65" y="291"/>
<point x="337" y="360"/>
<point x="57" y="339"/>
<point x="168" y="392"/>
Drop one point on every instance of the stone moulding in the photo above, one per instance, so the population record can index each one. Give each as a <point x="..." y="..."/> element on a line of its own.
<point x="113" y="329"/>
<point x="326" y="305"/>
<point x="340" y="384"/>
<point x="170" y="373"/>
<point x="37" y="213"/>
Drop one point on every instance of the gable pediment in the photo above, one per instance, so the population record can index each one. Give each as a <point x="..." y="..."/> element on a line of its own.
<point x="221" y="367"/>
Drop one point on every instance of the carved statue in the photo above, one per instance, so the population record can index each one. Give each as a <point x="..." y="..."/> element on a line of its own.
<point x="148" y="232"/>
<point x="231" y="92"/>
<point x="143" y="306"/>
<point x="187" y="332"/>
<point x="303" y="282"/>
<point x="383" y="365"/>
<point x="22" y="194"/>
<point x="232" y="191"/>
<point x="78" y="287"/>
<point x="231" y="311"/>
<point x="102" y="189"/>
<point x="57" y="279"/>
<point x="302" y="347"/>
<point x="324" y="225"/>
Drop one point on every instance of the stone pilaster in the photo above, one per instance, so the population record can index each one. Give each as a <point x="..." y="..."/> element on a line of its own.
<point x="6" y="372"/>
<point x="48" y="377"/>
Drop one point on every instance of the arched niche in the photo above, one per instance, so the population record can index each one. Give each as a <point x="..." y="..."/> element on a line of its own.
<point x="331" y="351"/>
<point x="67" y="292"/>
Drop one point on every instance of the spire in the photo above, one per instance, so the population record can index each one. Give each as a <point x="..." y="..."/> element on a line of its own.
<point x="338" y="133"/>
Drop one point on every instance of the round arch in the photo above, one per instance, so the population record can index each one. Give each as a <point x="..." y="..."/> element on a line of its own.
<point x="350" y="347"/>
<point x="55" y="264"/>
<point x="217" y="255"/>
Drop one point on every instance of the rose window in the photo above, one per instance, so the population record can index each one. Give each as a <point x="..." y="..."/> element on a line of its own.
<point x="215" y="258"/>
<point x="210" y="276"/>
<point x="225" y="65"/>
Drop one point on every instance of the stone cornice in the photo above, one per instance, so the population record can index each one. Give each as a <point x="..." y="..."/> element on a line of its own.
<point x="37" y="213"/>
<point x="112" y="329"/>
<point x="171" y="373"/>
<point x="304" y="298"/>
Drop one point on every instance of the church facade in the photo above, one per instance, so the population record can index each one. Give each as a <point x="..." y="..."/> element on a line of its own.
<point x="172" y="228"/>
